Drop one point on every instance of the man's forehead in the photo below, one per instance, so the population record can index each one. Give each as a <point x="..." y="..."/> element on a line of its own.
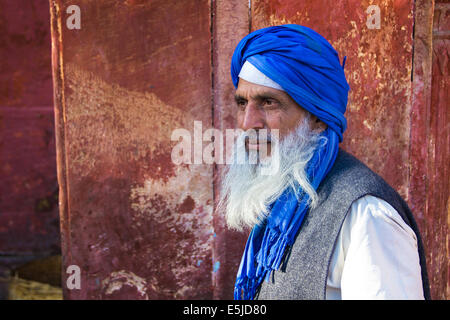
<point x="248" y="89"/>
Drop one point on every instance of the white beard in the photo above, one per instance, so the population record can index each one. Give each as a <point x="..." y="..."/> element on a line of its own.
<point x="246" y="192"/>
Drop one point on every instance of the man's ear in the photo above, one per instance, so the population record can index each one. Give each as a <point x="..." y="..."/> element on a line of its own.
<point x="318" y="125"/>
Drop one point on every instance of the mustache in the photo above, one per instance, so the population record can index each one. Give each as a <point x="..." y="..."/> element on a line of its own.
<point x="261" y="135"/>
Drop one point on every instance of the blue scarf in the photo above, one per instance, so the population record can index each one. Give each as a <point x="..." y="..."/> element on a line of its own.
<point x="307" y="67"/>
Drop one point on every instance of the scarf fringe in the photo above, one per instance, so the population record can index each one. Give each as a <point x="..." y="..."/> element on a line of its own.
<point x="272" y="250"/>
<point x="246" y="290"/>
<point x="269" y="259"/>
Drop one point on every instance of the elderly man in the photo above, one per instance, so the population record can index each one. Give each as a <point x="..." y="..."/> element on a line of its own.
<point x="323" y="226"/>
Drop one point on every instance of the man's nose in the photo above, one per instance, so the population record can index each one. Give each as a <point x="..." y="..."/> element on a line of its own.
<point x="253" y="118"/>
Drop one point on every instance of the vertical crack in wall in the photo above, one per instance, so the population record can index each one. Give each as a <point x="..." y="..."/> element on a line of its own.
<point x="60" y="125"/>
<point x="249" y="16"/>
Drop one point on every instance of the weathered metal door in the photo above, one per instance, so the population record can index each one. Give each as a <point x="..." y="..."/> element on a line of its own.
<point x="136" y="225"/>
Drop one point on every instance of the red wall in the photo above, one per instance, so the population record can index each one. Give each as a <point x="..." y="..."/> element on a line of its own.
<point x="29" y="223"/>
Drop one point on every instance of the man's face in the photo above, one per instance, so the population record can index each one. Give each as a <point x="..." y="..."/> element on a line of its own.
<point x="261" y="107"/>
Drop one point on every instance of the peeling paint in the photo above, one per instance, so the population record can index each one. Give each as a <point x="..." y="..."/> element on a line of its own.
<point x="116" y="122"/>
<point x="171" y="211"/>
<point x="116" y="280"/>
<point x="216" y="266"/>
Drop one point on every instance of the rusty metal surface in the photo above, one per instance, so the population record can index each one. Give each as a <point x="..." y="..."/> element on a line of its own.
<point x="421" y="99"/>
<point x="29" y="224"/>
<point x="28" y="205"/>
<point x="230" y="25"/>
<point x="429" y="184"/>
<point x="439" y="196"/>
<point x="437" y="212"/>
<point x="138" y="226"/>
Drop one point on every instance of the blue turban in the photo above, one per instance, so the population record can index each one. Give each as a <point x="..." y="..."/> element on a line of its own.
<point x="304" y="64"/>
<point x="307" y="68"/>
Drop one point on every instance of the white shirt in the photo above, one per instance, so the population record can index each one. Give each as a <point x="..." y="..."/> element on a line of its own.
<point x="375" y="256"/>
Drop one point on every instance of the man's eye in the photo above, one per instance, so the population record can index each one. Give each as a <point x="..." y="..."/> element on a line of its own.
<point x="241" y="103"/>
<point x="268" y="102"/>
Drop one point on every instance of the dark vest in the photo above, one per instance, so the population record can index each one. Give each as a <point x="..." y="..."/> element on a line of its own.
<point x="304" y="272"/>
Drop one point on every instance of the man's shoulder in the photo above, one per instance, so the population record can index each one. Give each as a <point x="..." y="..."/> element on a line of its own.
<point x="350" y="179"/>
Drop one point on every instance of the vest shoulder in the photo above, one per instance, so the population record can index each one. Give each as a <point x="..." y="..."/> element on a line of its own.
<point x="350" y="179"/>
<point x="350" y="173"/>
